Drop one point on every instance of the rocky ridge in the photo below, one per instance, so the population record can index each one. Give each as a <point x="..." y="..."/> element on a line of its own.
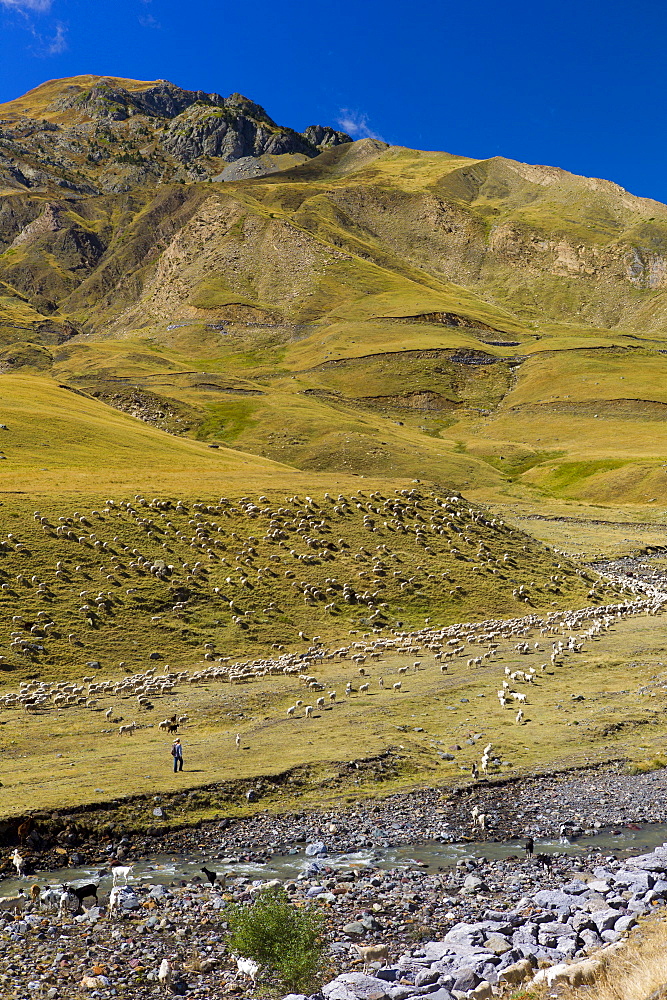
<point x="105" y="137"/>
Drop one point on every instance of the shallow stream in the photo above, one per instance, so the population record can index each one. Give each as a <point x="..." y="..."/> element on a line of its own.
<point x="427" y="856"/>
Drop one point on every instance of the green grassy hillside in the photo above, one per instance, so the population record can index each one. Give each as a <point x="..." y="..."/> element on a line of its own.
<point x="139" y="574"/>
<point x="489" y="325"/>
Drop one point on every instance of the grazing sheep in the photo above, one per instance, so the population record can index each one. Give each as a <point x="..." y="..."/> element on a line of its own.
<point x="309" y="711"/>
<point x="363" y="688"/>
<point x="397" y="686"/>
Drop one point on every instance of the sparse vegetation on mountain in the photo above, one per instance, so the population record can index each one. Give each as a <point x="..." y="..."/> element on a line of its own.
<point x="359" y="308"/>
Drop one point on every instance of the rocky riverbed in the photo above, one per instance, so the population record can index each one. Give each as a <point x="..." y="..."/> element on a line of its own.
<point x="448" y="932"/>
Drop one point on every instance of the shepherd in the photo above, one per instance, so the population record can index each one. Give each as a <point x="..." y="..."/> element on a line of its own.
<point x="177" y="754"/>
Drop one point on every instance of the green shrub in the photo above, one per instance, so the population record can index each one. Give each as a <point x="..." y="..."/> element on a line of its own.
<point x="288" y="943"/>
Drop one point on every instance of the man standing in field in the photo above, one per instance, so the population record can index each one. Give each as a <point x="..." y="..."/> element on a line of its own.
<point x="177" y="754"/>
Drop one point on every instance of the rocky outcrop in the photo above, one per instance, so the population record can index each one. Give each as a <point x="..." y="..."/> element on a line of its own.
<point x="324" y="137"/>
<point x="211" y="131"/>
<point x="201" y="124"/>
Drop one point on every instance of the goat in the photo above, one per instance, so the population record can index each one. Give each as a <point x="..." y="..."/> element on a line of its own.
<point x="529" y="847"/>
<point x="18" y="862"/>
<point x="372" y="953"/>
<point x="397" y="686"/>
<point x="24" y="829"/>
<point x="81" y="892"/>
<point x="309" y="711"/>
<point x="246" y="967"/>
<point x="121" y="871"/>
<point x="164" y="975"/>
<point x="213" y="876"/>
<point x="114" y="899"/>
<point x="52" y="897"/>
<point x="15" y="903"/>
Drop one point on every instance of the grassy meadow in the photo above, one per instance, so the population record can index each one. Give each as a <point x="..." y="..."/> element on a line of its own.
<point x="607" y="702"/>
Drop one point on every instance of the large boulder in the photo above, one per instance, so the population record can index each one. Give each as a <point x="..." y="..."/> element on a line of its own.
<point x="356" y="986"/>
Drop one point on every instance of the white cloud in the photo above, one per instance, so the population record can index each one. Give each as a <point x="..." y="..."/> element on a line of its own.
<point x="148" y="21"/>
<point x="58" y="43"/>
<point x="355" y="123"/>
<point x="37" y="6"/>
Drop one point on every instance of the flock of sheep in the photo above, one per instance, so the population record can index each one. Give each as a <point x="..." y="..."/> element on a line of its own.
<point x="443" y="645"/>
<point x="175" y="559"/>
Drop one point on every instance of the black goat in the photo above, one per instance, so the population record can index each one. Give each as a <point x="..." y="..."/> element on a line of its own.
<point x="213" y="877"/>
<point x="545" y="860"/>
<point x="529" y="847"/>
<point x="81" y="892"/>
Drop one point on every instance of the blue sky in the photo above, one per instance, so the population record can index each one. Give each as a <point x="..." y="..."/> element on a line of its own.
<point x="579" y="85"/>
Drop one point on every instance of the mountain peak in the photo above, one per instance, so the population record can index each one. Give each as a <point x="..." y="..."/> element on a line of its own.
<point x="115" y="134"/>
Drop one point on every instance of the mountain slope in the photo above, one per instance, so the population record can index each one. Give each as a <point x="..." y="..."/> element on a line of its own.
<point x="361" y="307"/>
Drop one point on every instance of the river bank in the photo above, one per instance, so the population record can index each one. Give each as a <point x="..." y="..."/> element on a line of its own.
<point x="475" y="899"/>
<point x="447" y="931"/>
<point x="578" y="803"/>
